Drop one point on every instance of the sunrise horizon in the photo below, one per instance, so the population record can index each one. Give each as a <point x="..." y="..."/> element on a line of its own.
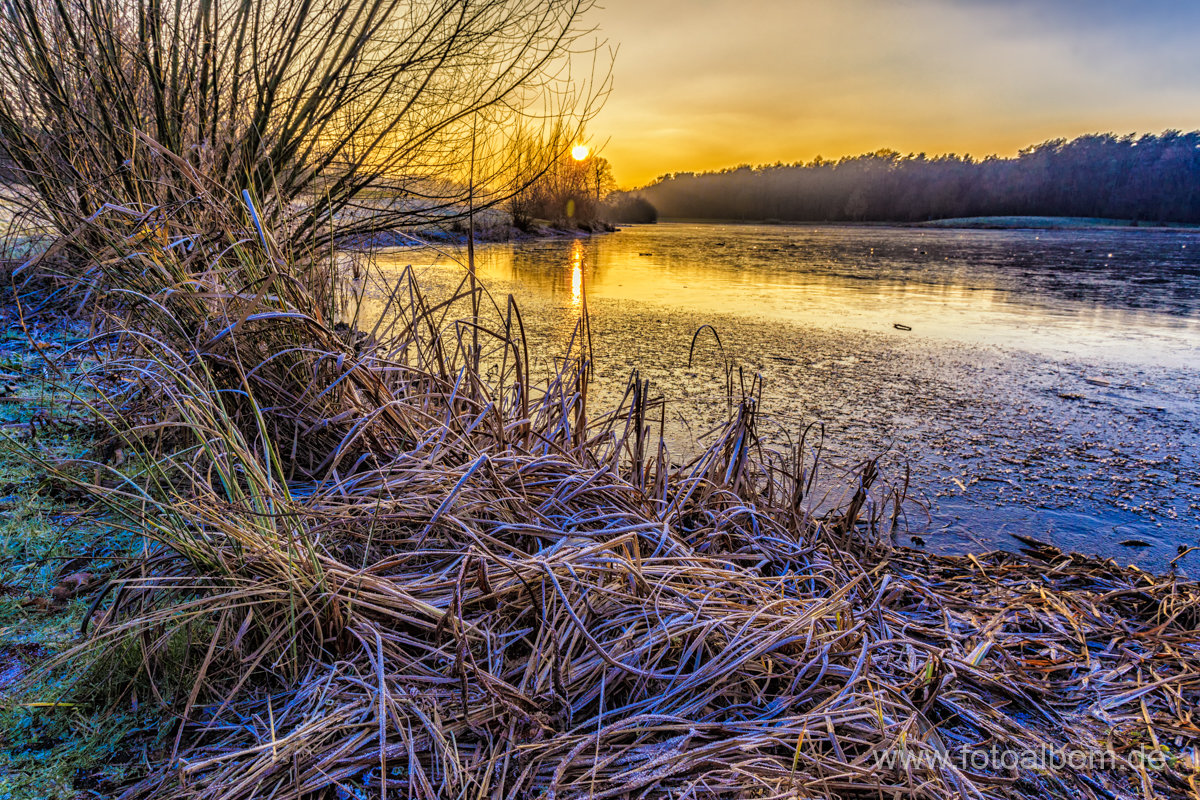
<point x="828" y="155"/>
<point x="711" y="85"/>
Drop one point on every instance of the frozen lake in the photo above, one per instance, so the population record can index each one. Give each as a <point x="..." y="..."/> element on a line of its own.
<point x="1049" y="385"/>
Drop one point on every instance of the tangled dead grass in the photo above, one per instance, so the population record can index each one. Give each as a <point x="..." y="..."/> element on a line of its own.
<point x="391" y="564"/>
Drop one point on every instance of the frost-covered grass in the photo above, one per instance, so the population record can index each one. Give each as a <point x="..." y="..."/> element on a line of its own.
<point x="49" y="748"/>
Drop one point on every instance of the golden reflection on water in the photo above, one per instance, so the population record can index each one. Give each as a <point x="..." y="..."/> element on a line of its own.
<point x="762" y="276"/>
<point x="576" y="272"/>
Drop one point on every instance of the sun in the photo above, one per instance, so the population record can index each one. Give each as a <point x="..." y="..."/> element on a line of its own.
<point x="579" y="152"/>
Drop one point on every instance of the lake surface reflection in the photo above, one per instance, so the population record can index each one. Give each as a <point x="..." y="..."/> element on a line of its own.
<point x="1048" y="385"/>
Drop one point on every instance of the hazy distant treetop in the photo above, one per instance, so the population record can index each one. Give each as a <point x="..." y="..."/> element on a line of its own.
<point x="1147" y="177"/>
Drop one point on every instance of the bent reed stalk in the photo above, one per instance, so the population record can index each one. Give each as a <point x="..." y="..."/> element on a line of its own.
<point x="378" y="569"/>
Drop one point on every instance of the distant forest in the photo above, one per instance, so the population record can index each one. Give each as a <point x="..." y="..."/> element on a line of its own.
<point x="1145" y="178"/>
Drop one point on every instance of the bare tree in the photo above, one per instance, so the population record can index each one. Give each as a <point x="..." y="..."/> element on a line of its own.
<point x="556" y="185"/>
<point x="340" y="117"/>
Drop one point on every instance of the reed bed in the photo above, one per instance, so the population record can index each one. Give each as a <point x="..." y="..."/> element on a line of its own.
<point x="391" y="563"/>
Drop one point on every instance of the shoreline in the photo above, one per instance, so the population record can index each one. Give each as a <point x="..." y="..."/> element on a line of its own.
<point x="959" y="223"/>
<point x="488" y="234"/>
<point x="1053" y="224"/>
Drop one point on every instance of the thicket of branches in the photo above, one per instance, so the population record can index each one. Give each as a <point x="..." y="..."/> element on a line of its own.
<point x="359" y="114"/>
<point x="629" y="207"/>
<point x="565" y="189"/>
<point x="1151" y="178"/>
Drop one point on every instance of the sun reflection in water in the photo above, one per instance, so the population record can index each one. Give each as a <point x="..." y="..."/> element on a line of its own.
<point x="576" y="272"/>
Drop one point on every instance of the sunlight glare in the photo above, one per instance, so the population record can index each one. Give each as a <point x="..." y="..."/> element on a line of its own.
<point x="576" y="272"/>
<point x="579" y="152"/>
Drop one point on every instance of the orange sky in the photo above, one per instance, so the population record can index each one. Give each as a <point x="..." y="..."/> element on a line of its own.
<point x="705" y="84"/>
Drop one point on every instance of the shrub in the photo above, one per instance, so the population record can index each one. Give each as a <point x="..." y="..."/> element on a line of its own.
<point x="354" y="115"/>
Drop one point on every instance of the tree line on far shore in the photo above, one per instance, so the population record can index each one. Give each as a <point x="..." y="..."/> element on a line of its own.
<point x="1149" y="178"/>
